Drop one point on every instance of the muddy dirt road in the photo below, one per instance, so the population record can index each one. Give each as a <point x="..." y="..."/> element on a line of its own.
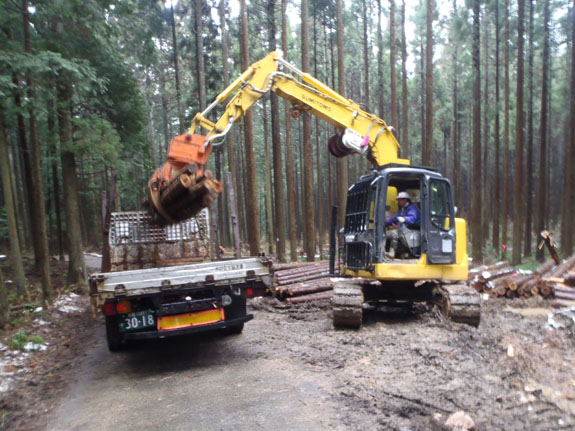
<point x="290" y="369"/>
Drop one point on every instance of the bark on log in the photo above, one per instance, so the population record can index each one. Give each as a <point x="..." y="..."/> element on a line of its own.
<point x="561" y="269"/>
<point x="295" y="265"/>
<point x="322" y="296"/>
<point x="314" y="267"/>
<point x="569" y="279"/>
<point x="306" y="290"/>
<point x="548" y="241"/>
<point x="545" y="267"/>
<point x="305" y="278"/>
<point x="486" y="276"/>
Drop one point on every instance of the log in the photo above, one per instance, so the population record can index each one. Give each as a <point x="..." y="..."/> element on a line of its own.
<point x="563" y="295"/>
<point x="503" y="281"/>
<point x="569" y="278"/>
<point x="488" y="268"/>
<point x="175" y="190"/>
<point x="562" y="288"/>
<point x="546" y="291"/>
<point x="545" y="267"/>
<point x="519" y="281"/>
<point x="285" y="289"/>
<point x="305" y="278"/>
<point x="278" y="267"/>
<point x="486" y="276"/>
<point x="302" y="271"/>
<point x="547" y="240"/>
<point x="561" y="269"/>
<point x="306" y="290"/>
<point x="321" y="296"/>
<point x="564" y="303"/>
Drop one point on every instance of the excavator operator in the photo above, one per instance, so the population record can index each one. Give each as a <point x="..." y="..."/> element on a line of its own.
<point x="408" y="215"/>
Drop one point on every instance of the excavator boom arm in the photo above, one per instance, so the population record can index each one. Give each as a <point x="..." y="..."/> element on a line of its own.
<point x="307" y="94"/>
<point x="181" y="188"/>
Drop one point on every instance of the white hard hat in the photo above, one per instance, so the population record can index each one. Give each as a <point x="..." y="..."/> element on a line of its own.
<point x="403" y="195"/>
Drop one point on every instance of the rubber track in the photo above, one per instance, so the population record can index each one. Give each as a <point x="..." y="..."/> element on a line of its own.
<point x="347" y="305"/>
<point x="462" y="304"/>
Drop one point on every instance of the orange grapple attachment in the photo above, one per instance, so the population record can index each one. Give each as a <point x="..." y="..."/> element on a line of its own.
<point x="188" y="149"/>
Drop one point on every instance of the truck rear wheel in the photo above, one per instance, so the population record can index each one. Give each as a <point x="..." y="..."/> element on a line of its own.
<point x="234" y="330"/>
<point x="113" y="336"/>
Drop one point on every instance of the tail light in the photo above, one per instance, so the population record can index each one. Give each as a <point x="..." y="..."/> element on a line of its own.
<point x="113" y="308"/>
<point x="109" y="309"/>
<point x="123" y="307"/>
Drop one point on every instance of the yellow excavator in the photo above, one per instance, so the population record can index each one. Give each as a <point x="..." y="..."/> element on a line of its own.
<point x="430" y="260"/>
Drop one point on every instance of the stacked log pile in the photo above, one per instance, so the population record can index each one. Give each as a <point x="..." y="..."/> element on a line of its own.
<point x="303" y="282"/>
<point x="502" y="279"/>
<point x="560" y="282"/>
<point x="548" y="280"/>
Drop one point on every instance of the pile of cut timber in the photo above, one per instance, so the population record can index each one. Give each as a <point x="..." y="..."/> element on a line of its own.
<point x="548" y="280"/>
<point x="560" y="281"/>
<point x="303" y="282"/>
<point x="501" y="279"/>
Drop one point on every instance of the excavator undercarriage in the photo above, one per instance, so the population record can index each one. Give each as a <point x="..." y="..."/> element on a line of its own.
<point x="456" y="301"/>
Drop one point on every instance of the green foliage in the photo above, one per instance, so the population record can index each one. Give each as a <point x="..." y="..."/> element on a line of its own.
<point x="21" y="338"/>
<point x="97" y="138"/>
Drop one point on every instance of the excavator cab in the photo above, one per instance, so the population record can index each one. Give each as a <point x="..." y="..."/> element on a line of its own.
<point x="432" y="267"/>
<point x="372" y="200"/>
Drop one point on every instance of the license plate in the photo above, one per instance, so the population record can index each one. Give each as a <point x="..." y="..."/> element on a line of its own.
<point x="137" y="320"/>
<point x="190" y="319"/>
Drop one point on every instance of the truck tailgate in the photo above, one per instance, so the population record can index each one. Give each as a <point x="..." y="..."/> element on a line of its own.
<point x="146" y="281"/>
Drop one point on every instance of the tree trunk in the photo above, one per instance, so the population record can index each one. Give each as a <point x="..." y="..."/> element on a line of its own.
<point x="476" y="201"/>
<point x="279" y="193"/>
<point x="530" y="147"/>
<point x="496" y="170"/>
<point x="309" y="239"/>
<point x="428" y="151"/>
<point x="458" y="183"/>
<point x="290" y="179"/>
<point x="486" y="150"/>
<point x="252" y="210"/>
<point x="230" y="143"/>
<point x="4" y="305"/>
<point x="37" y="193"/>
<point x="319" y="192"/>
<point x="518" y="204"/>
<point x="268" y="184"/>
<point x="506" y="156"/>
<point x="568" y="155"/>
<point x="404" y="106"/>
<point x="380" y="79"/>
<point x="28" y="207"/>
<point x="342" y="162"/>
<point x="76" y="266"/>
<point x="15" y="251"/>
<point x="422" y="96"/>
<point x="55" y="176"/>
<point x="542" y="190"/>
<point x="393" y="84"/>
<point x="177" y="70"/>
<point x="200" y="68"/>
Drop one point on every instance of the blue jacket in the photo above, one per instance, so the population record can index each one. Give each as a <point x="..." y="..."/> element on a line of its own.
<point x="411" y="215"/>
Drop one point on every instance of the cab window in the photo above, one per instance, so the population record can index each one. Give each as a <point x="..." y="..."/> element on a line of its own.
<point x="439" y="204"/>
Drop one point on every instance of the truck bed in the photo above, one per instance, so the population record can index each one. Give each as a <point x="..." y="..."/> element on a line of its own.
<point x="147" y="281"/>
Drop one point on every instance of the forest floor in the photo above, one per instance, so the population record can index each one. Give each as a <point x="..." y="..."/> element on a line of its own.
<point x="404" y="370"/>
